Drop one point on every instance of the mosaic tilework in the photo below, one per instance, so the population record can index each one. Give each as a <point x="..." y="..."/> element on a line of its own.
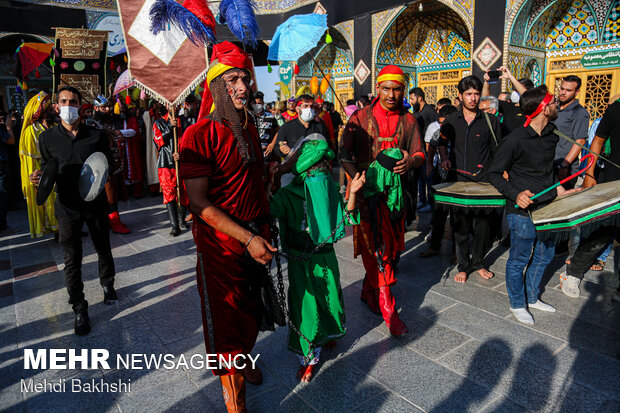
<point x="339" y="62"/>
<point x="537" y="7"/>
<point x="543" y="24"/>
<point x="424" y="47"/>
<point x="467" y="6"/>
<point x="520" y="24"/>
<point x="577" y="28"/>
<point x="612" y="26"/>
<point x="532" y="71"/>
<point x="92" y="16"/>
<point x="600" y="8"/>
<point x="380" y="21"/>
<point x="347" y="31"/>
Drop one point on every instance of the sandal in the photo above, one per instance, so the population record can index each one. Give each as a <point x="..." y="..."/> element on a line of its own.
<point x="598" y="266"/>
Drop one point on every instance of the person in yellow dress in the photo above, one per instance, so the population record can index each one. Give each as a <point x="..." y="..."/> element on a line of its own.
<point x="38" y="116"/>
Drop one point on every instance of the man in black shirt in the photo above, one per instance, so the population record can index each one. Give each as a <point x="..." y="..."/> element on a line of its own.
<point x="591" y="247"/>
<point x="472" y="143"/>
<point x="71" y="143"/>
<point x="305" y="124"/>
<point x="527" y="155"/>
<point x="294" y="131"/>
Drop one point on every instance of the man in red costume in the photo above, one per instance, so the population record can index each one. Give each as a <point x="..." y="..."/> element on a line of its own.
<point x="290" y="113"/>
<point x="222" y="165"/>
<point x="382" y="125"/>
<point x="163" y="136"/>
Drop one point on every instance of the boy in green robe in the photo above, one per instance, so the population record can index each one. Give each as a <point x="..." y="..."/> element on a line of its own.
<point x="310" y="211"/>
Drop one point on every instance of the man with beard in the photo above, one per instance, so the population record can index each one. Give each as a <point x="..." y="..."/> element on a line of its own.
<point x="222" y="165"/>
<point x="104" y="122"/>
<point x="472" y="143"/>
<point x="38" y="116"/>
<point x="573" y="121"/>
<point x="190" y="112"/>
<point x="380" y="237"/>
<point x="527" y="155"/>
<point x="70" y="144"/>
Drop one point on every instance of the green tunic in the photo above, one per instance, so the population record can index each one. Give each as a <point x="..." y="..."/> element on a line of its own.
<point x="316" y="303"/>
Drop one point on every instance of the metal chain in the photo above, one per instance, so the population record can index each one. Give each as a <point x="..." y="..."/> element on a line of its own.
<point x="306" y="256"/>
<point x="275" y="232"/>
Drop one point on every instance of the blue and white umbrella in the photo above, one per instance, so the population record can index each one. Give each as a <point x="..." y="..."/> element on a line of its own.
<point x="297" y="36"/>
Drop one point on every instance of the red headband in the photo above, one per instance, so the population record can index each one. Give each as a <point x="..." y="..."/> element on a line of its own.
<point x="539" y="109"/>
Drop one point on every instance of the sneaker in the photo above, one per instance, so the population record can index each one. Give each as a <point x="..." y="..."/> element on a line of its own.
<point x="426" y="208"/>
<point x="539" y="305"/>
<point x="522" y="316"/>
<point x="616" y="297"/>
<point x="570" y="285"/>
<point x="109" y="295"/>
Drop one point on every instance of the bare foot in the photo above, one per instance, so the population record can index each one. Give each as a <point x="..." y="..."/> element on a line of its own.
<point x="486" y="274"/>
<point x="330" y="345"/>
<point x="460" y="277"/>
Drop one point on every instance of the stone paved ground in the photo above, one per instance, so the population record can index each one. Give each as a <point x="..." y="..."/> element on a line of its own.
<point x="464" y="351"/>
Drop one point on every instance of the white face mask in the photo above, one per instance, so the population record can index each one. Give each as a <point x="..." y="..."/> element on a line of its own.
<point x="514" y="97"/>
<point x="307" y="114"/>
<point x="69" y="114"/>
<point x="258" y="108"/>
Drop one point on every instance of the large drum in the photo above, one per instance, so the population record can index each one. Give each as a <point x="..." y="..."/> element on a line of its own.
<point x="587" y="210"/>
<point x="470" y="195"/>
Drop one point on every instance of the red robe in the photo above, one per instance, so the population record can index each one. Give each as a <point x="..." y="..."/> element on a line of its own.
<point x="369" y="131"/>
<point x="134" y="171"/>
<point x="223" y="271"/>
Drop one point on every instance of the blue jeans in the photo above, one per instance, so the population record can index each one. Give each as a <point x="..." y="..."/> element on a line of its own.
<point x="522" y="242"/>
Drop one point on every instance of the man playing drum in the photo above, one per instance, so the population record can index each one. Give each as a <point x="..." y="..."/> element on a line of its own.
<point x="473" y="137"/>
<point x="527" y="155"/>
<point x="590" y="247"/>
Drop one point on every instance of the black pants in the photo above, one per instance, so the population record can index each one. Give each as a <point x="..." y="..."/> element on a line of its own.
<point x="588" y="251"/>
<point x="465" y="224"/>
<point x="70" y="238"/>
<point x="438" y="227"/>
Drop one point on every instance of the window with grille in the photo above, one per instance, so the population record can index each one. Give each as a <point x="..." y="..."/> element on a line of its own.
<point x="598" y="91"/>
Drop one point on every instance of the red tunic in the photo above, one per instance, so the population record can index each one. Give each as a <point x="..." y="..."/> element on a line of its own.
<point x="209" y="149"/>
<point x="134" y="172"/>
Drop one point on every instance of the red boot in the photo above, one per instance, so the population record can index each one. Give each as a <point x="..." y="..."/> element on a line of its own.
<point x="369" y="296"/>
<point x="390" y="315"/>
<point x="116" y="225"/>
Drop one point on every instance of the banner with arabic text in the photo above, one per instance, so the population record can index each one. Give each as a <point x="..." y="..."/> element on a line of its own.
<point x="81" y="62"/>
